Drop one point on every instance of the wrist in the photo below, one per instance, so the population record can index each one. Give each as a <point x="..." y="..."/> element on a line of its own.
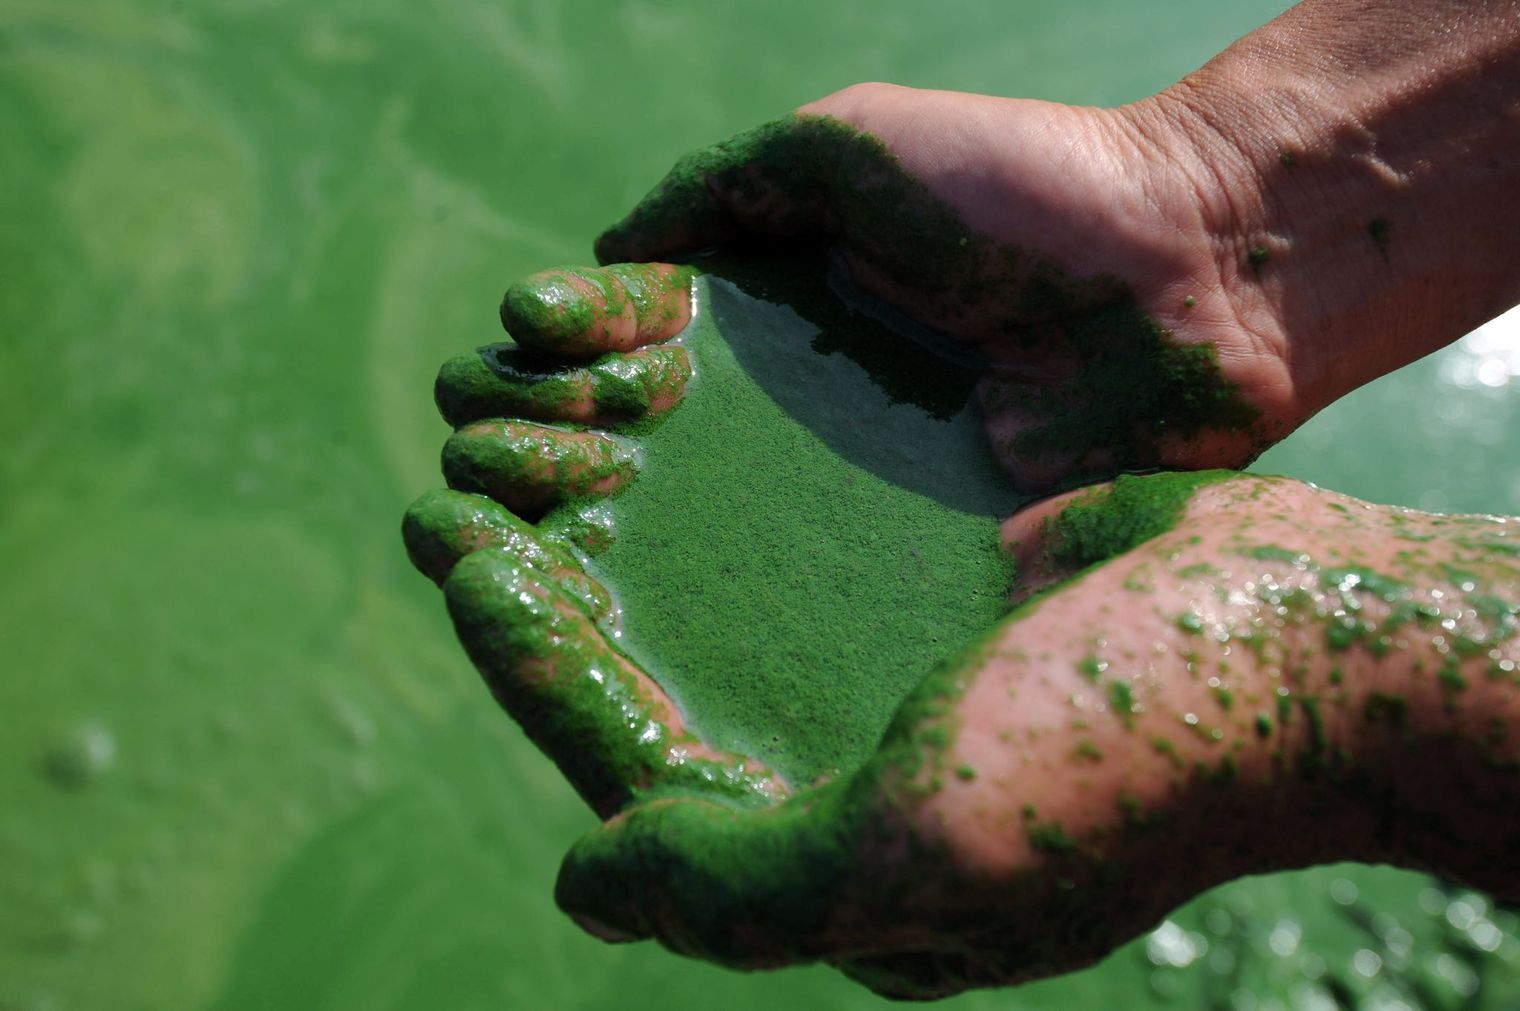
<point x="1358" y="182"/>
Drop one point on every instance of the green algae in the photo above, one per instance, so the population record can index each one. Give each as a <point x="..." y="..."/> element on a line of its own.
<point x="1106" y="522"/>
<point x="505" y="381"/>
<point x="1087" y="751"/>
<point x="1050" y="837"/>
<point x="530" y="468"/>
<point x="817" y="179"/>
<point x="803" y="542"/>
<point x="1090" y="667"/>
<point x="572" y="311"/>
<point x="572" y="696"/>
<point x="1121" y="698"/>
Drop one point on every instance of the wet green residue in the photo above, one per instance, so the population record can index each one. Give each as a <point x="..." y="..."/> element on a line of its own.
<point x="1121" y="698"/>
<point x="1166" y="749"/>
<point x="1288" y="158"/>
<point x="570" y="693"/>
<point x="1313" y="756"/>
<point x="1134" y="382"/>
<point x="1050" y="837"/>
<point x="731" y="877"/>
<point x="1272" y="553"/>
<point x="804" y="542"/>
<point x="965" y="773"/>
<point x="530" y="468"/>
<point x="1258" y="256"/>
<point x="1263" y="725"/>
<point x="907" y="363"/>
<point x="571" y="311"/>
<point x="505" y="381"/>
<point x="1087" y="751"/>
<point x="1452" y="682"/>
<point x="1105" y="522"/>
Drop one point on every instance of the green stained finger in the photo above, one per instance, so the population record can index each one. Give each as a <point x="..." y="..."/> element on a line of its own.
<point x="504" y="381"/>
<point x="582" y="312"/>
<point x="442" y="527"/>
<point x="611" y="730"/>
<point x="530" y="468"/>
<point x="744" y="888"/>
<point x="774" y="180"/>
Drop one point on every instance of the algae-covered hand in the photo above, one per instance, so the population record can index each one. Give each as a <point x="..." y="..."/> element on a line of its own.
<point x="1270" y="674"/>
<point x="1223" y="675"/>
<point x="1180" y="281"/>
<point x="1245" y="674"/>
<point x="1091" y="291"/>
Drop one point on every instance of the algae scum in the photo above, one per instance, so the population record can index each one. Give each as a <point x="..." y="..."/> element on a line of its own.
<point x="812" y="528"/>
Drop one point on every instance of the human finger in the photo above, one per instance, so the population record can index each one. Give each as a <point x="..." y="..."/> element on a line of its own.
<point x="529" y="468"/>
<point x="610" y="728"/>
<point x="748" y="888"/>
<point x="504" y="381"/>
<point x="582" y="312"/>
<point x="443" y="526"/>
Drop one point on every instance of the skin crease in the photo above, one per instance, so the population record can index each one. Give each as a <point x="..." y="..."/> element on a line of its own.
<point x="1318" y="206"/>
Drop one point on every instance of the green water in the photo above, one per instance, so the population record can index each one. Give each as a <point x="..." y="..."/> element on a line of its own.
<point x="245" y="765"/>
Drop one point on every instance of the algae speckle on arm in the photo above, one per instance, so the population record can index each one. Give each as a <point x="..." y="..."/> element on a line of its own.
<point x="1106" y="522"/>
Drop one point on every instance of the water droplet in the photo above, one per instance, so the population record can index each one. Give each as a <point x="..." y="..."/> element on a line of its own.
<point x="1170" y="945"/>
<point x="80" y="757"/>
<point x="1284" y="938"/>
<point x="1367" y="962"/>
<point x="1458" y="974"/>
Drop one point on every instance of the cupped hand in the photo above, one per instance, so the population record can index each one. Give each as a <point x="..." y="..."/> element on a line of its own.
<point x="1208" y="675"/>
<point x="1092" y="258"/>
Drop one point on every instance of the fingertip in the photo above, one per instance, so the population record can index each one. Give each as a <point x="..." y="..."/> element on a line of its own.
<point x="661" y="295"/>
<point x="569" y="312"/>
<point x="530" y="468"/>
<point x="438" y="525"/>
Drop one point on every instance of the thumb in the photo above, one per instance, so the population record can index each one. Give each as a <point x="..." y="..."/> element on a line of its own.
<point x="746" y="888"/>
<point x="777" y="181"/>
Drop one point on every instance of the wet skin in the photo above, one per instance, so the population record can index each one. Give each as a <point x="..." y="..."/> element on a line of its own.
<point x="1274" y="674"/>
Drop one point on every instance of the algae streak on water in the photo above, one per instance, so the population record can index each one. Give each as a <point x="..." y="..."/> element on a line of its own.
<point x="809" y="532"/>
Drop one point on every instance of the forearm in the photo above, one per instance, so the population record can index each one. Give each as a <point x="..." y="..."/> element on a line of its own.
<point x="1366" y="157"/>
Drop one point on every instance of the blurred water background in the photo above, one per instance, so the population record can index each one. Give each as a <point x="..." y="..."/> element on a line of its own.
<point x="244" y="764"/>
